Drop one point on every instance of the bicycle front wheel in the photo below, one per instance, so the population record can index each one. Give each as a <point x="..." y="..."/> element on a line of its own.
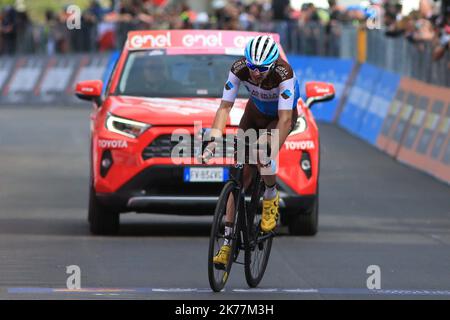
<point x="218" y="275"/>
<point x="258" y="244"/>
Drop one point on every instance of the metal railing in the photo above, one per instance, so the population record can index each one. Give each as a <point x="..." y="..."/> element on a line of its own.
<point x="309" y="39"/>
<point x="408" y="59"/>
<point x="340" y="40"/>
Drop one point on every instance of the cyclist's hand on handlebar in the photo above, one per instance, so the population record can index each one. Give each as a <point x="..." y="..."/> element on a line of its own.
<point x="208" y="152"/>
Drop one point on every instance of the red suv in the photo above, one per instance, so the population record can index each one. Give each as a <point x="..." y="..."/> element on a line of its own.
<point x="162" y="84"/>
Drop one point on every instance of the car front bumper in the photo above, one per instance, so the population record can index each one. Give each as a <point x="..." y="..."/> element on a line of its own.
<point x="161" y="189"/>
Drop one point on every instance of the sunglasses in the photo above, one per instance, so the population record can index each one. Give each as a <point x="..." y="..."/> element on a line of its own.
<point x="260" y="68"/>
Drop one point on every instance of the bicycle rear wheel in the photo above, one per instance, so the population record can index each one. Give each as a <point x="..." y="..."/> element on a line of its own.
<point x="219" y="276"/>
<point x="258" y="244"/>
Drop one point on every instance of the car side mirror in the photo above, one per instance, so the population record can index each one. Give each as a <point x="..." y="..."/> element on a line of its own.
<point x="90" y="90"/>
<point x="318" y="92"/>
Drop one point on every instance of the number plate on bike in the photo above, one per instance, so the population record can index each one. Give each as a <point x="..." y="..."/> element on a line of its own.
<point x="205" y="174"/>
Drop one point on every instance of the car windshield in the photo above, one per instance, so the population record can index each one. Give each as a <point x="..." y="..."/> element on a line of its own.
<point x="155" y="74"/>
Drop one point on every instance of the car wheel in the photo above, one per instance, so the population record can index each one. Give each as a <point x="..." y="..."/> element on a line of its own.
<point x="285" y="215"/>
<point x="102" y="221"/>
<point x="305" y="223"/>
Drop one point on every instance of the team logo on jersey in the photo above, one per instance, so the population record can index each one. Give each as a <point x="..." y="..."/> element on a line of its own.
<point x="286" y="94"/>
<point x="282" y="72"/>
<point x="228" y="85"/>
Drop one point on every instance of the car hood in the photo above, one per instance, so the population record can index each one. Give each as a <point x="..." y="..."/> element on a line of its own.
<point x="173" y="111"/>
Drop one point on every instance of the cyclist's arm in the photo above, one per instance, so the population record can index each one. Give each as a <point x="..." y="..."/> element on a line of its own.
<point x="285" y="103"/>
<point x="230" y="92"/>
<point x="220" y="120"/>
<point x="284" y="128"/>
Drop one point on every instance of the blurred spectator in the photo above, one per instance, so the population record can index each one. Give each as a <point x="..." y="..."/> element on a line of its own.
<point x="392" y="26"/>
<point x="418" y="28"/>
<point x="332" y="28"/>
<point x="229" y="17"/>
<point x="266" y="22"/>
<point x="202" y="21"/>
<point x="9" y="30"/>
<point x="444" y="36"/>
<point x="92" y="17"/>
<point x="280" y="9"/>
<point x="1" y="33"/>
<point x="249" y="16"/>
<point x="57" y="32"/>
<point x="310" y="30"/>
<point x="309" y="14"/>
<point x="187" y="16"/>
<point x="22" y="26"/>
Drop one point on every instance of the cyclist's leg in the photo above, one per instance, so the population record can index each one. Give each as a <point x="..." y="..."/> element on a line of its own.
<point x="247" y="122"/>
<point x="255" y="120"/>
<point x="251" y="119"/>
<point x="271" y="196"/>
<point x="271" y="179"/>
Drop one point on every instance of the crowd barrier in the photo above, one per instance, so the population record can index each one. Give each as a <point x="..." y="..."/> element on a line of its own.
<point x="408" y="119"/>
<point x="334" y="70"/>
<point x="416" y="129"/>
<point x="48" y="80"/>
<point x="368" y="102"/>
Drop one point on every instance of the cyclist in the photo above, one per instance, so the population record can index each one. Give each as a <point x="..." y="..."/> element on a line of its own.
<point x="274" y="92"/>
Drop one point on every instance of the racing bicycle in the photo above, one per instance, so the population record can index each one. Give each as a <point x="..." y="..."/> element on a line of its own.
<point x="246" y="235"/>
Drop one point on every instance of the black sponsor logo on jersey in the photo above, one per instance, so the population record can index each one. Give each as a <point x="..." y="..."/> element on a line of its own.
<point x="283" y="72"/>
<point x="263" y="95"/>
<point x="228" y="85"/>
<point x="286" y="94"/>
<point x="269" y="96"/>
<point x="238" y="66"/>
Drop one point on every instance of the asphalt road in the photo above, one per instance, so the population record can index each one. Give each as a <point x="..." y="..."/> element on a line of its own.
<point x="373" y="211"/>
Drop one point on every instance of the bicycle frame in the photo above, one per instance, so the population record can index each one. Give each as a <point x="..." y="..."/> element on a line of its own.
<point x="244" y="222"/>
<point x="246" y="234"/>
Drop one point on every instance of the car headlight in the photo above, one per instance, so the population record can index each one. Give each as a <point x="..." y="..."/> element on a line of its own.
<point x="126" y="127"/>
<point x="300" y="126"/>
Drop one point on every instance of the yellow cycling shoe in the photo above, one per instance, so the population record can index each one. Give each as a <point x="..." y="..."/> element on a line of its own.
<point x="270" y="214"/>
<point x="223" y="255"/>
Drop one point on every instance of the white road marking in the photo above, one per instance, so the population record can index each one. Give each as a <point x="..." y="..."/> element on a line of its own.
<point x="323" y="291"/>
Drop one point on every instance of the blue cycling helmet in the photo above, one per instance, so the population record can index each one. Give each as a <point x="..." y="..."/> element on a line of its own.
<point x="262" y="51"/>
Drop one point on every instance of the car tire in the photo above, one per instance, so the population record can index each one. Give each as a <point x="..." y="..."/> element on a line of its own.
<point x="102" y="221"/>
<point x="305" y="223"/>
<point x="285" y="215"/>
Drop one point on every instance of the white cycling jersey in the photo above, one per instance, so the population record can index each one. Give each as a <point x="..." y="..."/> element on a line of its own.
<point x="278" y="91"/>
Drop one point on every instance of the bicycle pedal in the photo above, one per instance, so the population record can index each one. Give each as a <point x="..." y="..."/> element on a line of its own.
<point x="219" y="266"/>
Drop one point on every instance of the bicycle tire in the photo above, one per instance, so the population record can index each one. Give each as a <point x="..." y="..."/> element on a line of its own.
<point x="251" y="233"/>
<point x="218" y="278"/>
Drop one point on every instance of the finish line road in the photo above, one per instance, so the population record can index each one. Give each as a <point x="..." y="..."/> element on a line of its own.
<point x="373" y="211"/>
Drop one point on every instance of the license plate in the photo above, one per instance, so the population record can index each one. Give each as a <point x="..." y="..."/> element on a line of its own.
<point x="205" y="174"/>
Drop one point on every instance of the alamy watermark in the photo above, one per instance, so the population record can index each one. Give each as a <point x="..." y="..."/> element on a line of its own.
<point x="73" y="20"/>
<point x="249" y="147"/>
<point x="374" y="280"/>
<point x="74" y="280"/>
<point x="374" y="21"/>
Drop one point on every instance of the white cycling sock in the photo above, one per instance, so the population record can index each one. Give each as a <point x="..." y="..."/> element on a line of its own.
<point x="228" y="231"/>
<point x="270" y="192"/>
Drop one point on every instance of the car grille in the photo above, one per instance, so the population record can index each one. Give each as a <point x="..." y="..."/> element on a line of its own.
<point x="163" y="145"/>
